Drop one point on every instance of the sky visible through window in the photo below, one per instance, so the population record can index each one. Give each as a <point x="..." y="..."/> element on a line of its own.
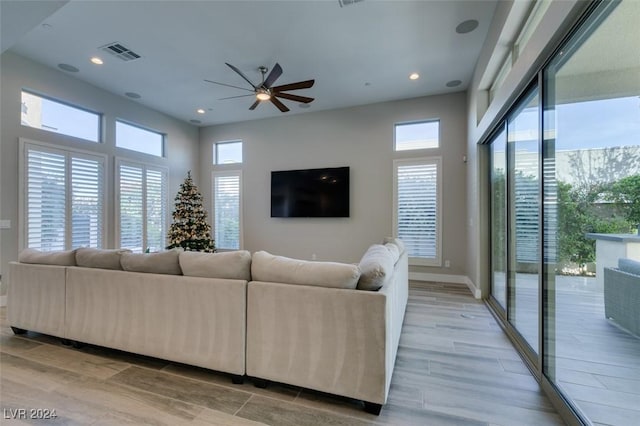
<point x="138" y="139"/>
<point x="604" y="123"/>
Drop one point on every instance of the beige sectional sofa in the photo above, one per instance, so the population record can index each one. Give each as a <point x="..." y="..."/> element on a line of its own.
<point x="327" y="326"/>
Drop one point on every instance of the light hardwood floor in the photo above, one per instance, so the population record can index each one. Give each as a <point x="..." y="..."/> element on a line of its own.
<point x="454" y="367"/>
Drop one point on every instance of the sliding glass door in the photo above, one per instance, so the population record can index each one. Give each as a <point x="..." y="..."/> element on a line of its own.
<point x="592" y="186"/>
<point x="565" y="197"/>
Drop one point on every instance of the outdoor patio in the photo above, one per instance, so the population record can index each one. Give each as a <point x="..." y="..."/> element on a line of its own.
<point x="597" y="363"/>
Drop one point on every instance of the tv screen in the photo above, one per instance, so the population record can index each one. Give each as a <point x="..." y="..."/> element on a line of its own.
<point x="310" y="193"/>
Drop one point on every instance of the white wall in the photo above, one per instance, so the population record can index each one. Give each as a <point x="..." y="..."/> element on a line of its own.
<point x="361" y="138"/>
<point x="18" y="72"/>
<point x="481" y="118"/>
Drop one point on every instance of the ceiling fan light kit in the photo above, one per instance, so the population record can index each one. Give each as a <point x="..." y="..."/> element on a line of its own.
<point x="265" y="91"/>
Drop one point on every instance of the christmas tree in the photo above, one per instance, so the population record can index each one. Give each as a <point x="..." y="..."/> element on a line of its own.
<point x="190" y="229"/>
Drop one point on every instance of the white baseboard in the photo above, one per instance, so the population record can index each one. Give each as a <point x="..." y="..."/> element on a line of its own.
<point x="447" y="278"/>
<point x="3" y="301"/>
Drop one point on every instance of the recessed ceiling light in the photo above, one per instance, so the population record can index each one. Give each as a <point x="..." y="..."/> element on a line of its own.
<point x="467" y="26"/>
<point x="414" y="76"/>
<point x="200" y="111"/>
<point x="132" y="95"/>
<point x="454" y="83"/>
<point x="96" y="60"/>
<point x="195" y="121"/>
<point x="68" y="68"/>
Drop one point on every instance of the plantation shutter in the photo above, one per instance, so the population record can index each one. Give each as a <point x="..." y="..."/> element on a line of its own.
<point x="156" y="193"/>
<point x="46" y="199"/>
<point x="226" y="196"/>
<point x="417" y="209"/>
<point x="87" y="193"/>
<point x="131" y="207"/>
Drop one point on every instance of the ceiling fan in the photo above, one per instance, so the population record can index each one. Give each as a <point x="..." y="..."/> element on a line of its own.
<point x="265" y="91"/>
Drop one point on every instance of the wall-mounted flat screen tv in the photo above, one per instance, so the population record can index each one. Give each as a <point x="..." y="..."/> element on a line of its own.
<point x="310" y="193"/>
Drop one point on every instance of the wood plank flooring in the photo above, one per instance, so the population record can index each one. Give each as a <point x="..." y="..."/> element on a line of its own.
<point x="454" y="367"/>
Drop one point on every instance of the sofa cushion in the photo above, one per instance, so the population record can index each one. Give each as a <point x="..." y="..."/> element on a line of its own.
<point x="376" y="266"/>
<point x="397" y="241"/>
<point x="233" y="265"/>
<point x="629" y="265"/>
<point x="99" y="258"/>
<point x="61" y="258"/>
<point x="279" y="269"/>
<point x="164" y="262"/>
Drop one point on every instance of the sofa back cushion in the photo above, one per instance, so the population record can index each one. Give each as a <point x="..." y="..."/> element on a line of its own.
<point x="629" y="265"/>
<point x="60" y="258"/>
<point x="99" y="258"/>
<point x="376" y="266"/>
<point x="279" y="269"/>
<point x="164" y="262"/>
<point x="233" y="265"/>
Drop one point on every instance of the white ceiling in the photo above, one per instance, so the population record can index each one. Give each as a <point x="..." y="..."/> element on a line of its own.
<point x="357" y="54"/>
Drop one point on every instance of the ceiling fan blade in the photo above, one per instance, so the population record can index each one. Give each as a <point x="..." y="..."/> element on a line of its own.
<point x="303" y="99"/>
<point x="279" y="104"/>
<point x="233" y="97"/>
<point x="273" y="75"/>
<point x="229" y="85"/>
<point x="240" y="73"/>
<point x="255" y="104"/>
<point x="294" y="86"/>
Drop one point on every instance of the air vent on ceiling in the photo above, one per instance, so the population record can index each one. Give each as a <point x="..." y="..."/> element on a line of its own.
<point x="119" y="51"/>
<point x="344" y="3"/>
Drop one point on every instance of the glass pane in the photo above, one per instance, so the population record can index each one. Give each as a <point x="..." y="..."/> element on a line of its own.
<point x="229" y="152"/>
<point x="592" y="186"/>
<point x="138" y="139"/>
<point x="524" y="215"/>
<point x="47" y="114"/>
<point x="417" y="135"/>
<point x="499" y="218"/>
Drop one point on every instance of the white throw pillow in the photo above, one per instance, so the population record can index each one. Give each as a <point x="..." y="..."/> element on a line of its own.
<point x="279" y="269"/>
<point x="376" y="266"/>
<point x="99" y="258"/>
<point x="165" y="262"/>
<point x="394" y="250"/>
<point x="397" y="241"/>
<point x="60" y="258"/>
<point x="233" y="265"/>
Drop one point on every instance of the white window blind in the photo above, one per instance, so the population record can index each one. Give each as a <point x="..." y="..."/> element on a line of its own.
<point x="227" y="210"/>
<point x="63" y="198"/>
<point x="87" y="194"/>
<point x="156" y="210"/>
<point x="142" y="207"/>
<point x="417" y="209"/>
<point x="131" y="207"/>
<point x="46" y="199"/>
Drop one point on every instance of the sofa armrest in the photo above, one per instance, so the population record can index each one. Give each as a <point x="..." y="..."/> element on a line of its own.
<point x="36" y="297"/>
<point x="332" y="340"/>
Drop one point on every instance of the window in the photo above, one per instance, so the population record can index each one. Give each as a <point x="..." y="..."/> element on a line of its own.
<point x="227" y="152"/>
<point x="417" y="204"/>
<point x="418" y="135"/>
<point x="227" y="208"/>
<point x="46" y="114"/>
<point x="142" y="217"/>
<point x="138" y="139"/>
<point x="62" y="197"/>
